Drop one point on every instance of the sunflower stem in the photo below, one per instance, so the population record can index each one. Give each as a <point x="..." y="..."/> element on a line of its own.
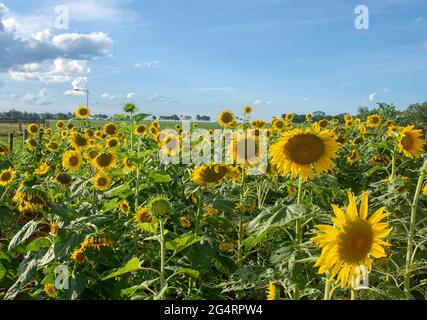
<point x="4" y="193"/>
<point x="353" y="294"/>
<point x="131" y="131"/>
<point x="198" y="213"/>
<point x="137" y="181"/>
<point x="328" y="286"/>
<point x="393" y="166"/>
<point x="298" y="228"/>
<point x="299" y="191"/>
<point x="162" y="258"/>
<point x="412" y="224"/>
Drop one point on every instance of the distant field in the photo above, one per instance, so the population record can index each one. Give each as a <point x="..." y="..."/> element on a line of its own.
<point x="6" y="128"/>
<point x="163" y="124"/>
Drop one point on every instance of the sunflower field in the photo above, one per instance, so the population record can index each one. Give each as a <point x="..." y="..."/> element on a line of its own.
<point x="337" y="213"/>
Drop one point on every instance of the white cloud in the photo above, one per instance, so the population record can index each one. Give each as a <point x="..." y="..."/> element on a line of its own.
<point x="261" y="102"/>
<point x="42" y="98"/>
<point x="156" y="98"/>
<point x="386" y="90"/>
<point x="78" y="84"/>
<point x="109" y="96"/>
<point x="59" y="71"/>
<point x="419" y="20"/>
<point x="118" y="97"/>
<point x="17" y="49"/>
<point x="149" y="65"/>
<point x="112" y="11"/>
<point x="130" y="95"/>
<point x="371" y="97"/>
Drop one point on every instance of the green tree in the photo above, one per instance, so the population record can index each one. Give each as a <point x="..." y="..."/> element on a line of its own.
<point x="415" y="114"/>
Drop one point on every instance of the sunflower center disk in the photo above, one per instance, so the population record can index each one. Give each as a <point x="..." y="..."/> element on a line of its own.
<point x="305" y="149"/>
<point x="212" y="175"/>
<point x="356" y="241"/>
<point x="6" y="176"/>
<point x="227" y="117"/>
<point x="74" y="161"/>
<point x="102" y="181"/>
<point x="104" y="160"/>
<point x="407" y="142"/>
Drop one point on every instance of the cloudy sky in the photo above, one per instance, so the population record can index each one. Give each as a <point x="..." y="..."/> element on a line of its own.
<point x="192" y="56"/>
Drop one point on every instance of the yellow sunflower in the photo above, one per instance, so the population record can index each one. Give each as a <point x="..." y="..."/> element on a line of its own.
<point x="96" y="242"/>
<point x="305" y="152"/>
<point x="89" y="133"/>
<point x="258" y="124"/>
<point x="3" y="149"/>
<point x="54" y="229"/>
<point x="72" y="161"/>
<point x="105" y="161"/>
<point x="411" y="144"/>
<point x="348" y="118"/>
<point x="124" y="207"/>
<point x="142" y="215"/>
<point x="42" y="169"/>
<point x="349" y="246"/>
<point x="226" y="118"/>
<point x="78" y="141"/>
<point x="211" y="174"/>
<point x="153" y="131"/>
<point x="289" y="117"/>
<point x="50" y="290"/>
<point x="353" y="157"/>
<point x="127" y="165"/>
<point x="78" y="256"/>
<point x="279" y="124"/>
<point x="185" y="222"/>
<point x="374" y="121"/>
<point x="323" y="123"/>
<point x="358" y="140"/>
<point x="60" y="124"/>
<point x="156" y="124"/>
<point x="247" y="110"/>
<point x="309" y="116"/>
<point x="93" y="151"/>
<point x="271" y="291"/>
<point x="29" y="201"/>
<point x="112" y="142"/>
<point x="7" y="176"/>
<point x="110" y="129"/>
<point x="64" y="179"/>
<point x="101" y="182"/>
<point x="52" y="146"/>
<point x="82" y="112"/>
<point x="33" y="129"/>
<point x="140" y="130"/>
<point x="31" y="143"/>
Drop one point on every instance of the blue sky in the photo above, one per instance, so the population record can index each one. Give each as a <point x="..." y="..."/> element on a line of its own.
<point x="199" y="57"/>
